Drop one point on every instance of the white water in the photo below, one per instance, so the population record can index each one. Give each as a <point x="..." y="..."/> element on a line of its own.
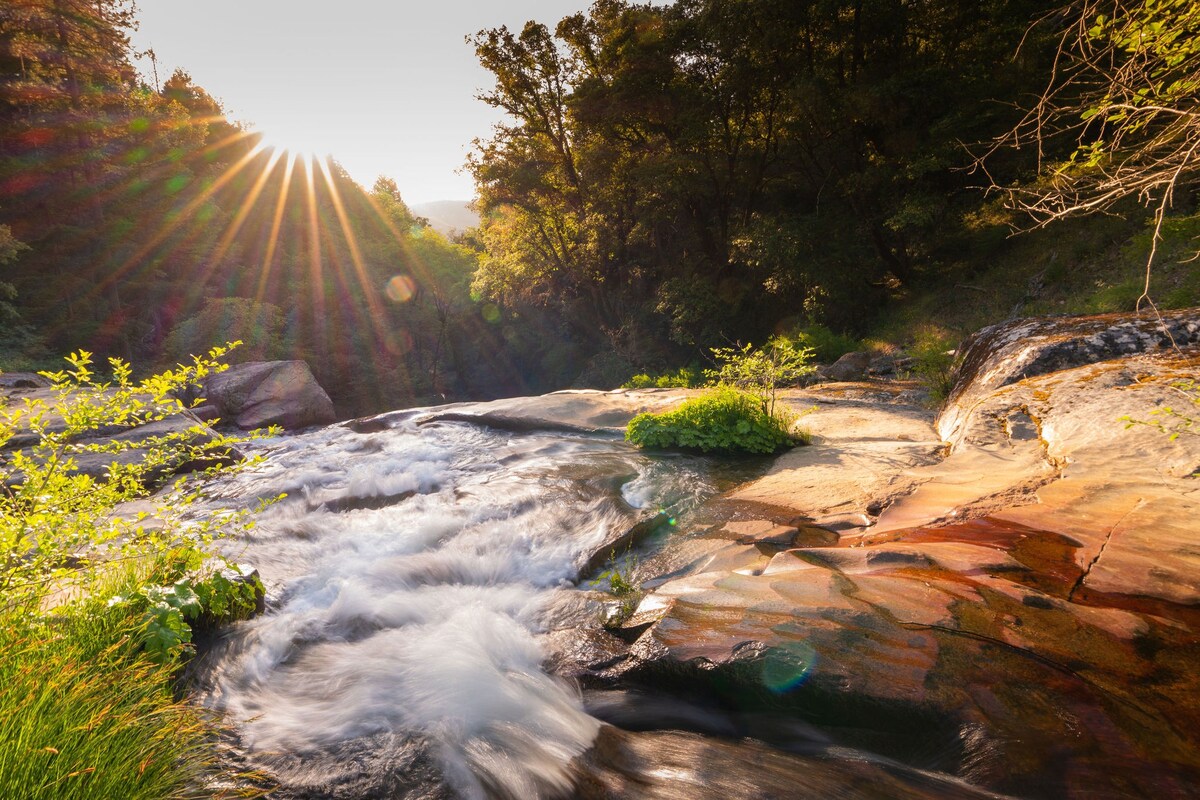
<point x="420" y="620"/>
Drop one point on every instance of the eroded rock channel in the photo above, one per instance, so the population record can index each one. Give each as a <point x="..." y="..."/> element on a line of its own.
<point x="1002" y="601"/>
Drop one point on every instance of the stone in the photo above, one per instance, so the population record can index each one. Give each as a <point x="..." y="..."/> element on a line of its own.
<point x="850" y="367"/>
<point x="262" y="393"/>
<point x="23" y="380"/>
<point x="1026" y="568"/>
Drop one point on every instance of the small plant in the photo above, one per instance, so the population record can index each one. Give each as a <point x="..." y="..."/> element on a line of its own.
<point x="933" y="365"/>
<point x="222" y="595"/>
<point x="724" y="420"/>
<point x="621" y="585"/>
<point x="761" y="371"/>
<point x="1172" y="421"/>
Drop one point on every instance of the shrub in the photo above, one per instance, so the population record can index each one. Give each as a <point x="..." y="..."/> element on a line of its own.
<point x="761" y="371"/>
<point x="826" y="346"/>
<point x="933" y="364"/>
<point x="682" y="378"/>
<point x="723" y="420"/>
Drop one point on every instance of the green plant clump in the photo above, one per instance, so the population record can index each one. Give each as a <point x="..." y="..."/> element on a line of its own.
<point x="86" y="715"/>
<point x="724" y="420"/>
<point x="682" y="378"/>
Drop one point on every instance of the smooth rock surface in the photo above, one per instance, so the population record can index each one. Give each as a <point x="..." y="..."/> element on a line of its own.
<point x="262" y="393"/>
<point x="1025" y="595"/>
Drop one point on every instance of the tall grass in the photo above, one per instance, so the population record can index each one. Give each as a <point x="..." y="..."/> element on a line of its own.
<point x="85" y="715"/>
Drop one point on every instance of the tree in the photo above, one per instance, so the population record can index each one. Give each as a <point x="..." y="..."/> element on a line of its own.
<point x="1124" y="101"/>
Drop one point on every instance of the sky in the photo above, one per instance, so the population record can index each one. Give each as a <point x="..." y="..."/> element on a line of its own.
<point x="387" y="87"/>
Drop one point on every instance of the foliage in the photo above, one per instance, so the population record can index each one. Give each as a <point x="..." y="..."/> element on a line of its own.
<point x="760" y="371"/>
<point x="220" y="595"/>
<point x="621" y="585"/>
<point x="83" y="714"/>
<point x="826" y="345"/>
<point x="96" y="610"/>
<point x="56" y="526"/>
<point x="259" y="326"/>
<point x="1172" y="421"/>
<point x="706" y="170"/>
<point x="1124" y="97"/>
<point x="724" y="420"/>
<point x="933" y="363"/>
<point x="682" y="378"/>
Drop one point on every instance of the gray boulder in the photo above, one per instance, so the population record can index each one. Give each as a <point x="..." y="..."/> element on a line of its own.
<point x="261" y="393"/>
<point x="850" y="367"/>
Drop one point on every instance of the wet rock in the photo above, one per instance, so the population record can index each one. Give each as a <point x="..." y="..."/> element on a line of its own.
<point x="1034" y="580"/>
<point x="262" y="393"/>
<point x="571" y="410"/>
<point x="669" y="765"/>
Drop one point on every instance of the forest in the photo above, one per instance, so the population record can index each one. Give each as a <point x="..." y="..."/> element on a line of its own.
<point x="668" y="179"/>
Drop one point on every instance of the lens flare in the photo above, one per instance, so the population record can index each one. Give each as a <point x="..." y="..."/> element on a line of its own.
<point x="400" y="288"/>
<point x="787" y="666"/>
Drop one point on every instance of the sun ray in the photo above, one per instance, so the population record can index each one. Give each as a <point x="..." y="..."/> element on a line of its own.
<point x="244" y="211"/>
<point x="316" y="276"/>
<point x="169" y="227"/>
<point x="370" y="292"/>
<point x="276" y="221"/>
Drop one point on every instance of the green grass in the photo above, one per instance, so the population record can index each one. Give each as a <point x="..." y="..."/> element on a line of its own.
<point x="84" y="713"/>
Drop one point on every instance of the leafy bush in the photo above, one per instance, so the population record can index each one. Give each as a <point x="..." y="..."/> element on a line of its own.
<point x="933" y="364"/>
<point x="761" y="371"/>
<point x="682" y="378"/>
<point x="723" y="420"/>
<point x="56" y="528"/>
<point x="826" y="346"/>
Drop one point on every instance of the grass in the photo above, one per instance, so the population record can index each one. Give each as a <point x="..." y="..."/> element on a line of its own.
<point x="85" y="714"/>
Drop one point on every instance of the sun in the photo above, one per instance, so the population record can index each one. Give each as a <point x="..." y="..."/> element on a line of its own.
<point x="296" y="142"/>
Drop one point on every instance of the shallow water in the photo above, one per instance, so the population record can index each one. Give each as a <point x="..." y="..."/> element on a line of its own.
<point x="410" y="574"/>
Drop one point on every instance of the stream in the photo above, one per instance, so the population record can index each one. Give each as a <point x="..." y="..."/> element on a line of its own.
<point x="413" y="573"/>
<point x="409" y="574"/>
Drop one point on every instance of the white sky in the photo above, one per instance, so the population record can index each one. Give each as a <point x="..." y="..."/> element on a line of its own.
<point x="387" y="88"/>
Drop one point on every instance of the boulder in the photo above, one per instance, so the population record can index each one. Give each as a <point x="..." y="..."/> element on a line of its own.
<point x="261" y="393"/>
<point x="850" y="367"/>
<point x="1024" y="348"/>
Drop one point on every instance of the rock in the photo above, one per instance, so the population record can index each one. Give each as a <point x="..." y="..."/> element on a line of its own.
<point x="1026" y="592"/>
<point x="23" y="380"/>
<point x="1006" y="353"/>
<point x="882" y="364"/>
<point x="850" y="367"/>
<point x="571" y="411"/>
<point x="261" y="393"/>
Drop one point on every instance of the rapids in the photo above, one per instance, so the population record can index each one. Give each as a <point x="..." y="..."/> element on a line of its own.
<point x="410" y="573"/>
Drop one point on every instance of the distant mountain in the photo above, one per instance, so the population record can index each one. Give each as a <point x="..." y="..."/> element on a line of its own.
<point x="447" y="216"/>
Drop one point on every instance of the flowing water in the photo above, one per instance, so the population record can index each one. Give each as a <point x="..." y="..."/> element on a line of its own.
<point x="410" y="573"/>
